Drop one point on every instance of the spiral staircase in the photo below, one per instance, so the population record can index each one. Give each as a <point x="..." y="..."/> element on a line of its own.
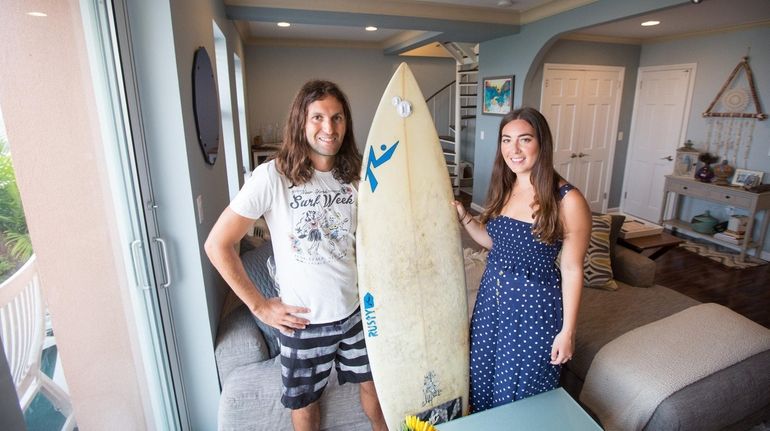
<point x="454" y="112"/>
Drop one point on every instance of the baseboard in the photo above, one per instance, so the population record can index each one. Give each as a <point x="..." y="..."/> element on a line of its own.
<point x="613" y="210"/>
<point x="476" y="207"/>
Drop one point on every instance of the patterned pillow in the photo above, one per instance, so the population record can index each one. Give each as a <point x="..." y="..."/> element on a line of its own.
<point x="255" y="263"/>
<point x="597" y="269"/>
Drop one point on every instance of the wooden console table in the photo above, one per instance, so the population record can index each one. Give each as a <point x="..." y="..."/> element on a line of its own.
<point x="724" y="195"/>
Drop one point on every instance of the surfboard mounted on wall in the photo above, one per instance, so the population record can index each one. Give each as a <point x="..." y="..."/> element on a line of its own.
<point x="411" y="276"/>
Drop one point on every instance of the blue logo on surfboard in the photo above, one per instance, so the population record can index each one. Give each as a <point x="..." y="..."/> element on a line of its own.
<point x="374" y="162"/>
<point x="369" y="317"/>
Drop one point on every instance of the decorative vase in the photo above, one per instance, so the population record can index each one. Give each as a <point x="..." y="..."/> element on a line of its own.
<point x="704" y="174"/>
<point x="722" y="172"/>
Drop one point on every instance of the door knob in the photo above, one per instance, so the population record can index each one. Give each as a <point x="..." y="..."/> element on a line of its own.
<point x="582" y="155"/>
<point x="573" y="156"/>
<point x="669" y="158"/>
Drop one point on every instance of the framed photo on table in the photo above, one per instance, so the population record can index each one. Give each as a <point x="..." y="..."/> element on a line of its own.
<point x="747" y="178"/>
<point x="497" y="95"/>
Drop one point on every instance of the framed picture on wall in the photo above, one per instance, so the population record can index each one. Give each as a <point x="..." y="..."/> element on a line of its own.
<point x="497" y="95"/>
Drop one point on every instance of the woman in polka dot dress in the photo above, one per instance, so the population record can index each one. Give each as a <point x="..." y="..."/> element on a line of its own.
<point x="523" y="325"/>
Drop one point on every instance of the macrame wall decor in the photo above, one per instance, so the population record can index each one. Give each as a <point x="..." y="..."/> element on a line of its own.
<point x="732" y="115"/>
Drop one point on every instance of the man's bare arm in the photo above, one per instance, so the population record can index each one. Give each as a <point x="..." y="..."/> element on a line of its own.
<point x="220" y="248"/>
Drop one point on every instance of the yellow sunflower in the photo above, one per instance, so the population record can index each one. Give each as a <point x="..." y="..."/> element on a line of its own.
<point x="411" y="423"/>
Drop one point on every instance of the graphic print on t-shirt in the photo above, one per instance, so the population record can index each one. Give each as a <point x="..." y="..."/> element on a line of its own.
<point x="322" y="222"/>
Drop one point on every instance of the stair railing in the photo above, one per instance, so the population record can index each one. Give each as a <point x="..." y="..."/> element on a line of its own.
<point x="441" y="100"/>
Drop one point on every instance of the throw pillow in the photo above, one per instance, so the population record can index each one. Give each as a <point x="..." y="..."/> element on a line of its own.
<point x="597" y="269"/>
<point x="255" y="263"/>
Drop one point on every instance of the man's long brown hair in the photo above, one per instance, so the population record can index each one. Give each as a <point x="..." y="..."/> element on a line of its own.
<point x="544" y="179"/>
<point x="293" y="159"/>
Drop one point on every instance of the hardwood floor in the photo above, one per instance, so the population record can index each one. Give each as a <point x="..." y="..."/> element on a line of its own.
<point x="745" y="291"/>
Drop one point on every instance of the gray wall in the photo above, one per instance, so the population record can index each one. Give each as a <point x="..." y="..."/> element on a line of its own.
<point x="517" y="54"/>
<point x="601" y="54"/>
<point x="716" y="55"/>
<point x="165" y="37"/>
<point x="192" y="23"/>
<point x="275" y="74"/>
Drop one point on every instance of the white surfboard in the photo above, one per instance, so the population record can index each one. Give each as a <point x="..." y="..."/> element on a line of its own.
<point x="410" y="267"/>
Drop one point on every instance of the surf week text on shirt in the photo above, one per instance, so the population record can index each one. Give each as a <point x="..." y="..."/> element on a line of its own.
<point x="324" y="199"/>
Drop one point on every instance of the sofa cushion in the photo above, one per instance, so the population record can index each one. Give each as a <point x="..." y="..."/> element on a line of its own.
<point x="616" y="223"/>
<point x="251" y="400"/>
<point x="255" y="263"/>
<point x="597" y="270"/>
<point x="633" y="268"/>
<point x="733" y="398"/>
<point x="604" y="316"/>
<point x="239" y="341"/>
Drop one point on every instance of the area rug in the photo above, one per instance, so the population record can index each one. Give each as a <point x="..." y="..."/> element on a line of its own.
<point x="727" y="258"/>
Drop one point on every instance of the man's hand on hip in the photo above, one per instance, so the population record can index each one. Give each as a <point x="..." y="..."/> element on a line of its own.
<point x="281" y="316"/>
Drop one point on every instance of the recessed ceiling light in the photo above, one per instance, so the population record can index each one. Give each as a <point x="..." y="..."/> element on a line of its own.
<point x="371" y="28"/>
<point x="37" y="14"/>
<point x="650" y="23"/>
<point x="283" y="24"/>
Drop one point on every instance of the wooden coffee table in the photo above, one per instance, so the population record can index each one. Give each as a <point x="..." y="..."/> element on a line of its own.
<point x="663" y="242"/>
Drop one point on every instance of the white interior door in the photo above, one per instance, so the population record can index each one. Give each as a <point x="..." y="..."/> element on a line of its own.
<point x="581" y="104"/>
<point x="658" y="127"/>
<point x="561" y="97"/>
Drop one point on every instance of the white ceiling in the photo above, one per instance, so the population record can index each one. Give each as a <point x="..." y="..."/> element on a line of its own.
<point x="301" y="31"/>
<point x="688" y="18"/>
<point x="269" y="30"/>
<point x="344" y="20"/>
<point x="519" y="5"/>
<point x="683" y="19"/>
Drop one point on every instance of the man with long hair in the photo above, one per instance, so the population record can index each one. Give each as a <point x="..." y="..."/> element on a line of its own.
<point x="308" y="198"/>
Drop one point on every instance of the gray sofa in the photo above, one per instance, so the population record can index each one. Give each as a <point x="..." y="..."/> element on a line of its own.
<point x="733" y="398"/>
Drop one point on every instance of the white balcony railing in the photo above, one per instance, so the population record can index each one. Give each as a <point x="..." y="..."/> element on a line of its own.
<point x="22" y="329"/>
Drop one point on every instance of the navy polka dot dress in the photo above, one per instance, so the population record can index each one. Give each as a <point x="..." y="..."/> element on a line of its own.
<point x="517" y="315"/>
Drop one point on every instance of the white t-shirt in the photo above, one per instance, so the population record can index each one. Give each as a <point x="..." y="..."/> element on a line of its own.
<point x="312" y="228"/>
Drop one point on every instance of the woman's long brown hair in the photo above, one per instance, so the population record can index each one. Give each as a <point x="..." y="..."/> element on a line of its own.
<point x="293" y="159"/>
<point x="544" y="178"/>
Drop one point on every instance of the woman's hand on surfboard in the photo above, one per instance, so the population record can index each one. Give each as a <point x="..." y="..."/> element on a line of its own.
<point x="281" y="316"/>
<point x="462" y="213"/>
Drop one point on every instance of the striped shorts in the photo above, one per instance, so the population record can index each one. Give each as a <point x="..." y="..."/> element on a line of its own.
<point x="307" y="357"/>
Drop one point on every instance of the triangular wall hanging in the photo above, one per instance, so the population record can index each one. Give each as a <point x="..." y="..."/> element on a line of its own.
<point x="730" y="119"/>
<point x="736" y="99"/>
